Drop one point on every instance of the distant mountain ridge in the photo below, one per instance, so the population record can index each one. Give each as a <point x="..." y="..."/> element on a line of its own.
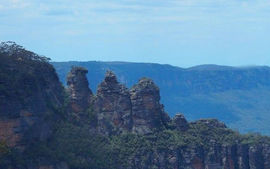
<point x="236" y="95"/>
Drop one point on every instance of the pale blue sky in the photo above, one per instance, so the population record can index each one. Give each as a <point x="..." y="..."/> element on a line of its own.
<point x="178" y="32"/>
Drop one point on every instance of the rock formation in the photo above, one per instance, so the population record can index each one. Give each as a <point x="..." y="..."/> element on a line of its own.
<point x="80" y="94"/>
<point x="113" y="106"/>
<point x="180" y="123"/>
<point x="146" y="110"/>
<point x="120" y="110"/>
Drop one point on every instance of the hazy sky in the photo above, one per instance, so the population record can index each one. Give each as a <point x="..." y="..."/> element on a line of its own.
<point x="177" y="32"/>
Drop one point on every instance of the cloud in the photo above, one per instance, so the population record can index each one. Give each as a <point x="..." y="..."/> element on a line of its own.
<point x="14" y="4"/>
<point x="139" y="11"/>
<point x="59" y="12"/>
<point x="136" y="22"/>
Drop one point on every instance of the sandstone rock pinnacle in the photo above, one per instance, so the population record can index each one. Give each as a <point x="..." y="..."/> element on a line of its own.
<point x="147" y="112"/>
<point x="113" y="106"/>
<point x="80" y="94"/>
<point x="180" y="122"/>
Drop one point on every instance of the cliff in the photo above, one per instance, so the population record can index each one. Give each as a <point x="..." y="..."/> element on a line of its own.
<point x="43" y="126"/>
<point x="30" y="92"/>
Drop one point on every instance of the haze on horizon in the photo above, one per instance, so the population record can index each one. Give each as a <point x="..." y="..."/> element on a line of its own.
<point x="177" y="32"/>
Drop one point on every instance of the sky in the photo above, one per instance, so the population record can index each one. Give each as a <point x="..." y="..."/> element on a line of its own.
<point x="178" y="32"/>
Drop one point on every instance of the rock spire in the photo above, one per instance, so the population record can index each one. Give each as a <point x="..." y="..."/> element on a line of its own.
<point x="80" y="94"/>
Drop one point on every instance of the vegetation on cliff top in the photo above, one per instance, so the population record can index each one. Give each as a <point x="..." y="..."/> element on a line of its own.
<point x="23" y="75"/>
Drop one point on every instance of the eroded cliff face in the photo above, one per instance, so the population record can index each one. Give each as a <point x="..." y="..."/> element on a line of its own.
<point x="30" y="91"/>
<point x="217" y="156"/>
